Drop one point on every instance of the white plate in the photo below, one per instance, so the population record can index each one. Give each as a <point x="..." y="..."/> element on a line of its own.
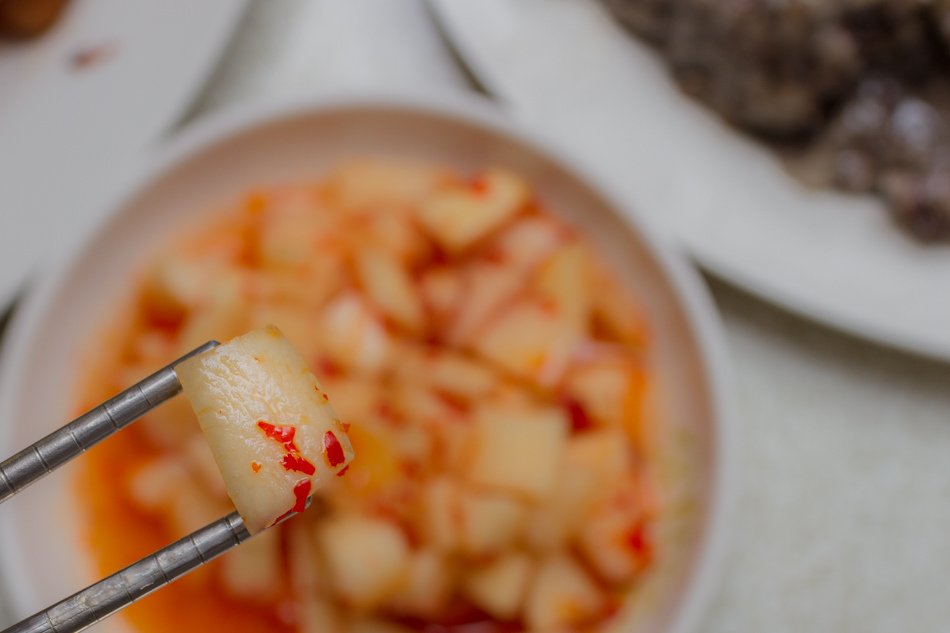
<point x="217" y="159"/>
<point x="66" y="128"/>
<point x="567" y="66"/>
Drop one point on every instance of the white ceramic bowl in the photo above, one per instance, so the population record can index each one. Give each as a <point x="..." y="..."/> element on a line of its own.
<point x="43" y="557"/>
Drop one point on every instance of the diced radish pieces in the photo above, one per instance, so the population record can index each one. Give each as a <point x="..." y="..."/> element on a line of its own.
<point x="499" y="587"/>
<point x="390" y="288"/>
<point x="529" y="339"/>
<point x="292" y="229"/>
<point x="441" y="289"/>
<point x="526" y="243"/>
<point x="603" y="453"/>
<point x="368" y="184"/>
<point x="299" y="325"/>
<point x="616" y="543"/>
<point x="367" y="558"/>
<point x="519" y="450"/>
<point x="221" y="314"/>
<point x="427" y="586"/>
<point x="440" y="516"/>
<point x="487" y="289"/>
<point x="555" y="521"/>
<point x="353" y="335"/>
<point x="561" y="594"/>
<point x="564" y="283"/>
<point x="257" y="401"/>
<point x="615" y="315"/>
<point x="457" y="216"/>
<point x="488" y="522"/>
<point x="613" y="391"/>
<point x="253" y="571"/>
<point x="447" y="371"/>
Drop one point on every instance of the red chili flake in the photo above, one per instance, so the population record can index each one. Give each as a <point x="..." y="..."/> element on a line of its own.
<point x="256" y="467"/>
<point x="333" y="450"/>
<point x="283" y="433"/>
<point x="386" y="411"/>
<point x="301" y="492"/>
<point x="343" y="471"/>
<point x="580" y="421"/>
<point x="345" y="426"/>
<point x="326" y="398"/>
<point x="454" y="402"/>
<point x="478" y="185"/>
<point x="548" y="306"/>
<point x="295" y="462"/>
<point x="494" y="256"/>
<point x="328" y="368"/>
<point x="92" y="55"/>
<point x="640" y="544"/>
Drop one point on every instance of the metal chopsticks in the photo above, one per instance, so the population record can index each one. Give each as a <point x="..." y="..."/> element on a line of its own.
<point x="121" y="589"/>
<point x="67" y="442"/>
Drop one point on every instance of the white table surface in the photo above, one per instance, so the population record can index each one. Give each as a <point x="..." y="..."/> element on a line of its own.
<point x="843" y="521"/>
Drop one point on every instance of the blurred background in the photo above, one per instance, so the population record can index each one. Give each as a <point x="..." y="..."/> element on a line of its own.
<point x="795" y="152"/>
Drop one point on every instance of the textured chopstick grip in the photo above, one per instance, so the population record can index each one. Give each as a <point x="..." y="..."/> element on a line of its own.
<point x="57" y="448"/>
<point x="121" y="589"/>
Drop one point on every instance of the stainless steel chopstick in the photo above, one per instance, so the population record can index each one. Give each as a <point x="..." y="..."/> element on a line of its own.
<point x="62" y="445"/>
<point x="121" y="589"/>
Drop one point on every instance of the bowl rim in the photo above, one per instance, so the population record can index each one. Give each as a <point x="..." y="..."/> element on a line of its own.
<point x="683" y="280"/>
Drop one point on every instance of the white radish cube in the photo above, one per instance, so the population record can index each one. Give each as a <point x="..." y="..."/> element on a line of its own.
<point x="564" y="281"/>
<point x="268" y="423"/>
<point x="427" y="587"/>
<point x="530" y="339"/>
<point x="293" y="227"/>
<point x="367" y="558"/>
<point x="447" y="371"/>
<point x="253" y="571"/>
<point x="499" y="587"/>
<point x="488" y="522"/>
<point x="519" y="450"/>
<point x="441" y="290"/>
<point x="367" y="184"/>
<point x="459" y="216"/>
<point x="440" y="514"/>
<point x="613" y="391"/>
<point x="527" y="242"/>
<point x="487" y="288"/>
<point x="561" y="594"/>
<point x="353" y="335"/>
<point x="389" y="287"/>
<point x="616" y="544"/>
<point x="556" y="519"/>
<point x="603" y="453"/>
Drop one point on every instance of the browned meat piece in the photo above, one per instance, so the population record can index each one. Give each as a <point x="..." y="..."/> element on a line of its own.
<point x="861" y="85"/>
<point x="893" y="141"/>
<point x="28" y="18"/>
<point x="775" y="68"/>
<point x="779" y="67"/>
